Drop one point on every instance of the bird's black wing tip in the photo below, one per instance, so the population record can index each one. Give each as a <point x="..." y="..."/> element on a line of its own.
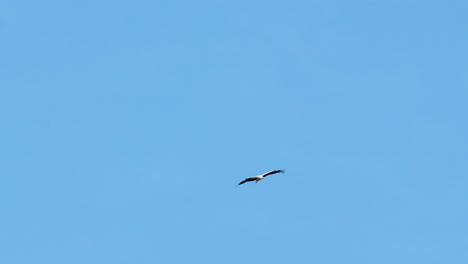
<point x="246" y="180"/>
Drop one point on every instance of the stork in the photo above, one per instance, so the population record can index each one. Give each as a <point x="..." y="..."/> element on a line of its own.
<point x="260" y="177"/>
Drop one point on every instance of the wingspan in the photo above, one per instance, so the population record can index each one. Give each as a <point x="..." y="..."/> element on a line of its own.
<point x="272" y="172"/>
<point x="247" y="180"/>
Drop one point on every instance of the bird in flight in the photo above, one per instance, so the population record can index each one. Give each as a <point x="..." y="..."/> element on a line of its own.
<point x="260" y="177"/>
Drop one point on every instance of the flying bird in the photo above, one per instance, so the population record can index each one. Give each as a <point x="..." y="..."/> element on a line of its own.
<point x="260" y="177"/>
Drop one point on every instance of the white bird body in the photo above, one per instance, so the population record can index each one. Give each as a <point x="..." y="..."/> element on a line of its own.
<point x="260" y="177"/>
<point x="255" y="178"/>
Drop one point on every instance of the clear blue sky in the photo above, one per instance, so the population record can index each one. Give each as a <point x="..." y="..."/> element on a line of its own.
<point x="126" y="126"/>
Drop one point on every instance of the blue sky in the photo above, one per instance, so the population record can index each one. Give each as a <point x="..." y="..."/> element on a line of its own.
<point x="126" y="126"/>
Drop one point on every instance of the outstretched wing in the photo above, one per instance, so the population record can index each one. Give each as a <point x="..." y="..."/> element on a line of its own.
<point x="272" y="172"/>
<point x="247" y="180"/>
